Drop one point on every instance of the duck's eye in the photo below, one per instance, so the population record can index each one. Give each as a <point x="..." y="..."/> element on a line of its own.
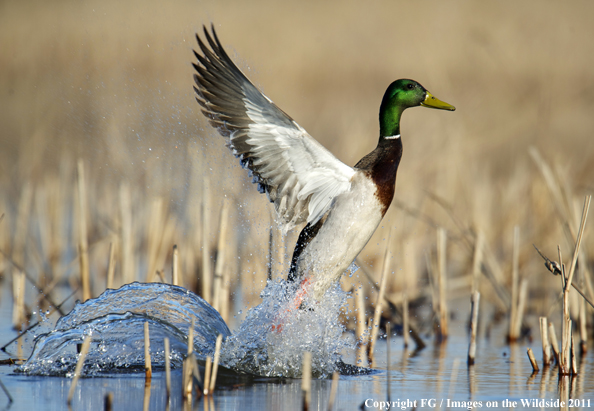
<point x="410" y="86"/>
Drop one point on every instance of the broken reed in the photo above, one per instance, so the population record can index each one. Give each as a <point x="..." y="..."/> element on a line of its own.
<point x="474" y="310"/>
<point x="148" y="368"/>
<point x="167" y="368"/>
<point x="306" y="380"/>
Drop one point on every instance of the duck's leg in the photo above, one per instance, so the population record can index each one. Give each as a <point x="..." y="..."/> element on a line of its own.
<point x="305" y="236"/>
<point x="296" y="303"/>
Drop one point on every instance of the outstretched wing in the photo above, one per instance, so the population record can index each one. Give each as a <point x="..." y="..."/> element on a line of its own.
<point x="297" y="173"/>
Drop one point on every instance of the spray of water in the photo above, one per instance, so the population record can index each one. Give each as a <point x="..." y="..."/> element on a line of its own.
<point x="270" y="342"/>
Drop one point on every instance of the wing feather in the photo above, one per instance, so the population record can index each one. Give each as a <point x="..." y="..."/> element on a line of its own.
<point x="297" y="173"/>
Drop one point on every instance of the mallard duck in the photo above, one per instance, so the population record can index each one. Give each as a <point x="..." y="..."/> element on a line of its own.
<point x="342" y="206"/>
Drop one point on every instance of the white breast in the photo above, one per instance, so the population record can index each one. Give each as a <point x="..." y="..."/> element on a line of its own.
<point x="351" y="222"/>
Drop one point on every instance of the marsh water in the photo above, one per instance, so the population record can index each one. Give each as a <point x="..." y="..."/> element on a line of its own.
<point x="435" y="377"/>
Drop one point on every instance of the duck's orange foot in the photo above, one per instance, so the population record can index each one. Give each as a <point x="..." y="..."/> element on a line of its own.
<point x="295" y="304"/>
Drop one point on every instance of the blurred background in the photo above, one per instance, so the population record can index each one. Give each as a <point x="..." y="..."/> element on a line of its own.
<point x="104" y="89"/>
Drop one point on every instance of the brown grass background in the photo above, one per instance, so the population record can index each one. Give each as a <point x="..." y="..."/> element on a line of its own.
<point x="111" y="82"/>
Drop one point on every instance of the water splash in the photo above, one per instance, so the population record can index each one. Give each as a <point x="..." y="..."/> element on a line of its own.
<point x="115" y="320"/>
<point x="270" y="342"/>
<point x="258" y="347"/>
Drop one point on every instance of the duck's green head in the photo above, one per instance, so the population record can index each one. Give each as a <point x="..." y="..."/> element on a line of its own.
<point x="401" y="95"/>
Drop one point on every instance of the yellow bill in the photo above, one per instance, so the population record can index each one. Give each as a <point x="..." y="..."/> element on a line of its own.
<point x="432" y="102"/>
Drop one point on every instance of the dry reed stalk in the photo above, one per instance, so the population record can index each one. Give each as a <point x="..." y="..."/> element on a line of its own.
<point x="380" y="298"/>
<point x="554" y="341"/>
<point x="566" y="333"/>
<point x="519" y="314"/>
<point x="108" y="401"/>
<point x="546" y="346"/>
<point x="333" y="390"/>
<point x="18" y="291"/>
<point x="477" y="260"/>
<point x="219" y="274"/>
<point x="175" y="267"/>
<point x="167" y="368"/>
<point x="83" y="242"/>
<point x="191" y="338"/>
<point x="442" y="284"/>
<point x="388" y="358"/>
<point x="18" y="257"/>
<point x="306" y="380"/>
<point x="474" y="310"/>
<point x="583" y="328"/>
<point x="146" y="399"/>
<point x="188" y="369"/>
<point x="187" y="385"/>
<point x="206" y="268"/>
<point x="215" y="367"/>
<point x="410" y="268"/>
<point x="565" y="354"/>
<point x="154" y="236"/>
<point x="574" y="369"/>
<point x="110" y="266"/>
<point x="224" y="302"/>
<point x="360" y="327"/>
<point x="405" y="320"/>
<point x="148" y="369"/>
<point x="533" y="360"/>
<point x="514" y="328"/>
<point x="79" y="365"/>
<point x="494" y="274"/>
<point x="128" y="269"/>
<point x="207" y="370"/>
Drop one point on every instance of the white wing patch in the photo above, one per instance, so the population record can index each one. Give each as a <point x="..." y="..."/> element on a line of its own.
<point x="305" y="177"/>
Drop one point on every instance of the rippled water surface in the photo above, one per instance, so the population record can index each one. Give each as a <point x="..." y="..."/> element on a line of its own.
<point x="425" y="379"/>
